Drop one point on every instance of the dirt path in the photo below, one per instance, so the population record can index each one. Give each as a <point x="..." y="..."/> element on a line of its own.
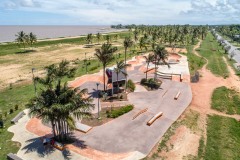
<point x="201" y="102"/>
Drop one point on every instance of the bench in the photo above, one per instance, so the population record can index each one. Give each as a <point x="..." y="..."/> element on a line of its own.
<point x="164" y="76"/>
<point x="18" y="116"/>
<point x="158" y="115"/>
<point x="12" y="156"/>
<point x="82" y="127"/>
<point x="140" y="112"/>
<point x="177" y="95"/>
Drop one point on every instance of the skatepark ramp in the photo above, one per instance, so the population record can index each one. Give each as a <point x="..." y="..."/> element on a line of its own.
<point x="169" y="75"/>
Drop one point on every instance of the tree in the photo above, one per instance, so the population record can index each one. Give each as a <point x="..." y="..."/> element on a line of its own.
<point x="135" y="33"/>
<point x="148" y="59"/>
<point x="99" y="36"/>
<point x="142" y="43"/>
<point x="116" y="36"/>
<point x="105" y="55"/>
<point x="127" y="43"/>
<point x="59" y="104"/>
<point x="32" y="38"/>
<point x="22" y="38"/>
<point x="89" y="38"/>
<point x="108" y="39"/>
<point x="160" y="55"/>
<point x="120" y="68"/>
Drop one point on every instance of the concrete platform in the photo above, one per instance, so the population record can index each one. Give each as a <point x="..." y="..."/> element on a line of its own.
<point x="123" y="135"/>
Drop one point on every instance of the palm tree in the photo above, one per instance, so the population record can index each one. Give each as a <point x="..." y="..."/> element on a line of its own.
<point x="59" y="105"/>
<point x="105" y="55"/>
<point x="160" y="55"/>
<point x="99" y="36"/>
<point x="21" y="38"/>
<point x="148" y="59"/>
<point x="108" y="39"/>
<point x="116" y="36"/>
<point x="127" y="43"/>
<point x="89" y="38"/>
<point x="120" y="68"/>
<point x="32" y="38"/>
<point x="142" y="43"/>
<point x="135" y="33"/>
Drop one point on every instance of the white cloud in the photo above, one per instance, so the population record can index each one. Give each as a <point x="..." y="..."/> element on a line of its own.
<point x="135" y="11"/>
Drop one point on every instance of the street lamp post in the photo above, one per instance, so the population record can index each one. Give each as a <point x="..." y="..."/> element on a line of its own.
<point x="34" y="82"/>
<point x="98" y="99"/>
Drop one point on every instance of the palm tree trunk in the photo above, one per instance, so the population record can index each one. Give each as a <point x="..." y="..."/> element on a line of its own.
<point x="118" y="86"/>
<point x="104" y="66"/>
<point x="125" y="55"/>
<point x="53" y="128"/>
<point x="147" y="70"/>
<point x="155" y="76"/>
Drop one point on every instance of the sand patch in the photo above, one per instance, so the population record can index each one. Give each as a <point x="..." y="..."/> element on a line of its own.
<point x="182" y="143"/>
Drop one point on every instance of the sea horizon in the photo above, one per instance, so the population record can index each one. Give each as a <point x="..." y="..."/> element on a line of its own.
<point x="8" y="32"/>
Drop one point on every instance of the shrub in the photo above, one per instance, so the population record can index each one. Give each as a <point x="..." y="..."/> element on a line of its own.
<point x="118" y="112"/>
<point x="151" y="83"/>
<point x="131" y="85"/>
<point x="143" y="81"/>
<point x="11" y="111"/>
<point x="16" y="107"/>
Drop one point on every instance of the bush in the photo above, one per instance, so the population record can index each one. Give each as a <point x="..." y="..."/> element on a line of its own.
<point x="118" y="112"/>
<point x="151" y="83"/>
<point x="143" y="81"/>
<point x="16" y="107"/>
<point x="131" y="85"/>
<point x="11" y="111"/>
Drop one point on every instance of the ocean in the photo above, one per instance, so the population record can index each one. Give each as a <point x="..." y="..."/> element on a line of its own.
<point x="7" y="33"/>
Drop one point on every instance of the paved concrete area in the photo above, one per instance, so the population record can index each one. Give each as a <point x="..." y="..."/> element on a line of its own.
<point x="176" y="68"/>
<point x="126" y="135"/>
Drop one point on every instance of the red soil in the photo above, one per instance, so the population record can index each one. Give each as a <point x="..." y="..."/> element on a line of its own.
<point x="86" y="78"/>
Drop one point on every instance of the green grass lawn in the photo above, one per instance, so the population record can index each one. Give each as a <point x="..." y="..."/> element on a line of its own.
<point x="13" y="48"/>
<point x="211" y="50"/>
<point x="8" y="99"/>
<point x="223" y="139"/>
<point x="226" y="100"/>
<point x="195" y="63"/>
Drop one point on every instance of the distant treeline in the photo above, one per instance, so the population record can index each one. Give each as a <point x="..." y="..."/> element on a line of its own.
<point x="232" y="31"/>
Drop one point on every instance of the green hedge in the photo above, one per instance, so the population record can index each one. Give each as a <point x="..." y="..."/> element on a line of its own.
<point x="131" y="85"/>
<point x="118" y="112"/>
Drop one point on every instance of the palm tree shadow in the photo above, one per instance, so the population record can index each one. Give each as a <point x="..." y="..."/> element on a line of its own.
<point x="80" y="144"/>
<point x="36" y="145"/>
<point x="94" y="93"/>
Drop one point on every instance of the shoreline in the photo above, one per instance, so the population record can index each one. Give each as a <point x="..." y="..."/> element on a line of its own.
<point x="103" y="32"/>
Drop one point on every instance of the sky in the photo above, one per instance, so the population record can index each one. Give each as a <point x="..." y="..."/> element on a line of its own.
<point x="108" y="12"/>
